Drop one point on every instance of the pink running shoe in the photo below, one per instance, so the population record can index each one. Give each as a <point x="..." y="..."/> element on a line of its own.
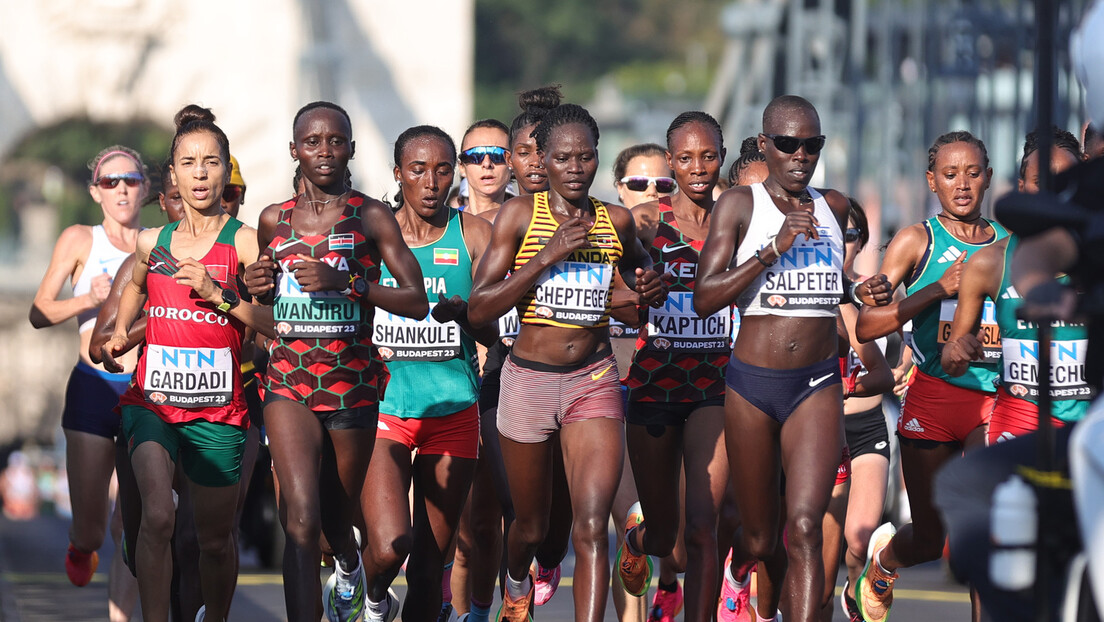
<point x="666" y="605"/>
<point x="546" y="581"/>
<point x="735" y="602"/>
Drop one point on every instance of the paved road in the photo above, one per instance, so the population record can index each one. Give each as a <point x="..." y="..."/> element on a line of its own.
<point x="33" y="585"/>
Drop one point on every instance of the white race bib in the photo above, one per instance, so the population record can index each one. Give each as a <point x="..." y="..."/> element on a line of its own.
<point x="319" y="315"/>
<point x="400" y="338"/>
<point x="675" y="326"/>
<point x="573" y="292"/>
<point x="188" y="377"/>
<point x="990" y="332"/>
<point x="1067" y="369"/>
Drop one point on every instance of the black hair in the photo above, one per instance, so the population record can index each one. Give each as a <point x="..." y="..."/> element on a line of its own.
<point x="960" y="136"/>
<point x="493" y="124"/>
<point x="564" y="114"/>
<point x="418" y="131"/>
<point x="166" y="174"/>
<point x="296" y="179"/>
<point x="695" y="116"/>
<point x="534" y="103"/>
<point x="749" y="152"/>
<point x="629" y="153"/>
<point x="320" y="104"/>
<point x="862" y="223"/>
<point x="1060" y="139"/>
<point x="1091" y="133"/>
<point x="192" y="119"/>
<point x="784" y="105"/>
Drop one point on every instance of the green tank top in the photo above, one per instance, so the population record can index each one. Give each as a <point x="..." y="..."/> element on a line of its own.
<point x="932" y="326"/>
<point x="434" y="369"/>
<point x="1069" y="343"/>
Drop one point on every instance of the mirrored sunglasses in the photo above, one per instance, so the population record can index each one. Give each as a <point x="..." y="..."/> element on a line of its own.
<point x="640" y="183"/>
<point x="475" y="155"/>
<point x="132" y="180"/>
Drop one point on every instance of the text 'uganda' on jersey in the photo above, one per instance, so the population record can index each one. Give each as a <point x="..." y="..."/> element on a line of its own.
<point x="574" y="292"/>
<point x="807" y="279"/>
<point x="189" y="369"/>
<point x="679" y="357"/>
<point x="322" y="355"/>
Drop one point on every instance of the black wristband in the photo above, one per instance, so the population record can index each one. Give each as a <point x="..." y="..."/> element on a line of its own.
<point x="760" y="258"/>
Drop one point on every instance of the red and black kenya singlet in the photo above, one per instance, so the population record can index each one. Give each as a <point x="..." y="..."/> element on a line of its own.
<point x="679" y="357"/>
<point x="323" y="355"/>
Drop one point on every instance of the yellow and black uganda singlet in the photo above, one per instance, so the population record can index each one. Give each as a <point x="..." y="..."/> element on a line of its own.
<point x="574" y="292"/>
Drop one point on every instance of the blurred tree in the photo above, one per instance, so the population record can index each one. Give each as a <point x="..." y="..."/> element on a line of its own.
<point x="67" y="147"/>
<point x="522" y="44"/>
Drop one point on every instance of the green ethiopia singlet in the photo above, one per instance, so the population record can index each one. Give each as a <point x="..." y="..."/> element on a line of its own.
<point x="932" y="326"/>
<point x="1019" y="342"/>
<point x="433" y="365"/>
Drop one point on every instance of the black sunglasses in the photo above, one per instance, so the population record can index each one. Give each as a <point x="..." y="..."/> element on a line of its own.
<point x="475" y="155"/>
<point x="790" y="144"/>
<point x="852" y="235"/>
<point x="640" y="183"/>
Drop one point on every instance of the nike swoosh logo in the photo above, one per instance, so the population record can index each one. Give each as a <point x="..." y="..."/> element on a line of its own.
<point x="598" y="376"/>
<point x="108" y="260"/>
<point x="285" y="244"/>
<point x="156" y="266"/>
<point x="813" y="383"/>
<point x="674" y="247"/>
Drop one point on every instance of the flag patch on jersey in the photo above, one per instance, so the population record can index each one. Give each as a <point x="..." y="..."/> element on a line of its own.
<point x="341" y="241"/>
<point x="446" y="256"/>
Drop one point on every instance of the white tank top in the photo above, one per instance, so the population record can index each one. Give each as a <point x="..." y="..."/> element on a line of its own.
<point x="807" y="280"/>
<point x="103" y="258"/>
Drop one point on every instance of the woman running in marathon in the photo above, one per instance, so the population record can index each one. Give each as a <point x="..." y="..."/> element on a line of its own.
<point x="856" y="506"/>
<point x="776" y="250"/>
<point x="478" y="556"/>
<point x="676" y="386"/>
<point x="320" y="268"/>
<point x="750" y="167"/>
<point x="988" y="277"/>
<point x="563" y="247"/>
<point x="89" y="257"/>
<point x="186" y="401"/>
<point x="430" y="439"/>
<point x="941" y="415"/>
<point x="640" y="175"/>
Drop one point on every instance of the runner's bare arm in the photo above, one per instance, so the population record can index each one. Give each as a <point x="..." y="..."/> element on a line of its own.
<point x="719" y="282"/>
<point x="879" y="377"/>
<point x="105" y="321"/>
<point x="1034" y="264"/>
<point x="409" y="298"/>
<point x="874" y="290"/>
<point x="637" y="268"/>
<point x="70" y="250"/>
<point x="260" y="276"/>
<point x="980" y="280"/>
<point x="901" y="259"/>
<point x="131" y="301"/>
<point x="492" y="293"/>
<point x="477" y="237"/>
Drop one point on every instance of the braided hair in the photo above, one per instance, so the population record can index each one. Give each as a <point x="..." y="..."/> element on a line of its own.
<point x="564" y="114"/>
<point x="534" y="105"/>
<point x="418" y="131"/>
<point x="960" y="136"/>
<point x="695" y="116"/>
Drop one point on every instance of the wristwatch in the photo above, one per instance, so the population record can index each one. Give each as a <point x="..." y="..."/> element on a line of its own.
<point x="854" y="292"/>
<point x="357" y="288"/>
<point x="230" y="300"/>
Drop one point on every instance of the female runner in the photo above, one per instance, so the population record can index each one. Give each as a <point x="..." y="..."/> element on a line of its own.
<point x="941" y="415"/>
<point x="186" y="401"/>
<point x="320" y="268"/>
<point x="89" y="257"/>
<point x="787" y="242"/>
<point x="563" y="247"/>
<point x="442" y="426"/>
<point x="676" y="383"/>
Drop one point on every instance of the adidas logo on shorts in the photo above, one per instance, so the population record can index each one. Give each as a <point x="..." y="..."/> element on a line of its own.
<point x="914" y="426"/>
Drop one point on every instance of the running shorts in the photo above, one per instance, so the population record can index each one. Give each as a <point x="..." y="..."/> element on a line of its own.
<point x="778" y="392"/>
<point x="1014" y="417"/>
<point x="90" y="400"/>
<point x="867" y="433"/>
<point x="666" y="413"/>
<point x="210" y="453"/>
<point x="938" y="411"/>
<point x="360" y="418"/>
<point x="455" y="435"/>
<point x="538" y="399"/>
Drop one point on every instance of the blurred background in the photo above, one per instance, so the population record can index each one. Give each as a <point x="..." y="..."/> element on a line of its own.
<point x="887" y="76"/>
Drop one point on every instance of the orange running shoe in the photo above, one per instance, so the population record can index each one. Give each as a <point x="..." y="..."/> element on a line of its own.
<point x="875" y="590"/>
<point x="635" y="570"/>
<point x="517" y="610"/>
<point x="80" y="566"/>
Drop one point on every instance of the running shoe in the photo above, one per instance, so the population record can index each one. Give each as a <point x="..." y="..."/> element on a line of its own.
<point x="80" y="566"/>
<point x="735" y="602"/>
<point x="344" y="599"/>
<point x="847" y="603"/>
<point x="635" y="570"/>
<point x="874" y="593"/>
<point x="201" y="615"/>
<point x="545" y="582"/>
<point x="392" y="609"/>
<point x="666" y="605"/>
<point x="448" y="613"/>
<point x="517" y="610"/>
